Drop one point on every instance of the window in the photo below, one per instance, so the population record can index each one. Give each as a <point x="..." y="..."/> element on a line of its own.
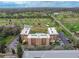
<point x="43" y="41"/>
<point x="33" y="41"/>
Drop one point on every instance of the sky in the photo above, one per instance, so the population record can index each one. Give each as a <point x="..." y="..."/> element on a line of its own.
<point x="27" y="4"/>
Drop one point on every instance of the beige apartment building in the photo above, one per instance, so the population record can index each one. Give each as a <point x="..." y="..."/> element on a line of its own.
<point x="38" y="39"/>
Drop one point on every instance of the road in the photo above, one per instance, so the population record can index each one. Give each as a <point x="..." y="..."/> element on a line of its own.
<point x="52" y="54"/>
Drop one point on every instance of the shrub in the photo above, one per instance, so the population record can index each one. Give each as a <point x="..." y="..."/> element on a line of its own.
<point x="19" y="51"/>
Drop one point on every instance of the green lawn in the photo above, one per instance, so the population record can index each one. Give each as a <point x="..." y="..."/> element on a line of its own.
<point x="7" y="39"/>
<point x="70" y="20"/>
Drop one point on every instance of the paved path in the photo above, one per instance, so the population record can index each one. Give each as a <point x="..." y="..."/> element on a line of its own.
<point x="14" y="43"/>
<point x="10" y="55"/>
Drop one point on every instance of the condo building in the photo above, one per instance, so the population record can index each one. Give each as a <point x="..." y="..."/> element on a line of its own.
<point x="38" y="39"/>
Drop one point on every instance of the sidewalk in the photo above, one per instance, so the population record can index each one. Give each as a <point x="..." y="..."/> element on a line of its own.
<point x="10" y="55"/>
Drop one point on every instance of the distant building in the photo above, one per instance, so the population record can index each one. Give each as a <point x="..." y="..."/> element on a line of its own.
<point x="38" y="39"/>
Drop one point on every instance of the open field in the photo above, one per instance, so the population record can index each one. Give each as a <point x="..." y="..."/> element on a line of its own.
<point x="70" y="20"/>
<point x="37" y="24"/>
<point x="28" y="21"/>
<point x="41" y="24"/>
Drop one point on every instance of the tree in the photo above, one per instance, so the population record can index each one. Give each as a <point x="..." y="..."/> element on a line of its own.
<point x="11" y="30"/>
<point x="77" y="45"/>
<point x="68" y="47"/>
<point x="1" y="28"/>
<point x="20" y="40"/>
<point x="19" y="51"/>
<point x="13" y="51"/>
<point x="3" y="47"/>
